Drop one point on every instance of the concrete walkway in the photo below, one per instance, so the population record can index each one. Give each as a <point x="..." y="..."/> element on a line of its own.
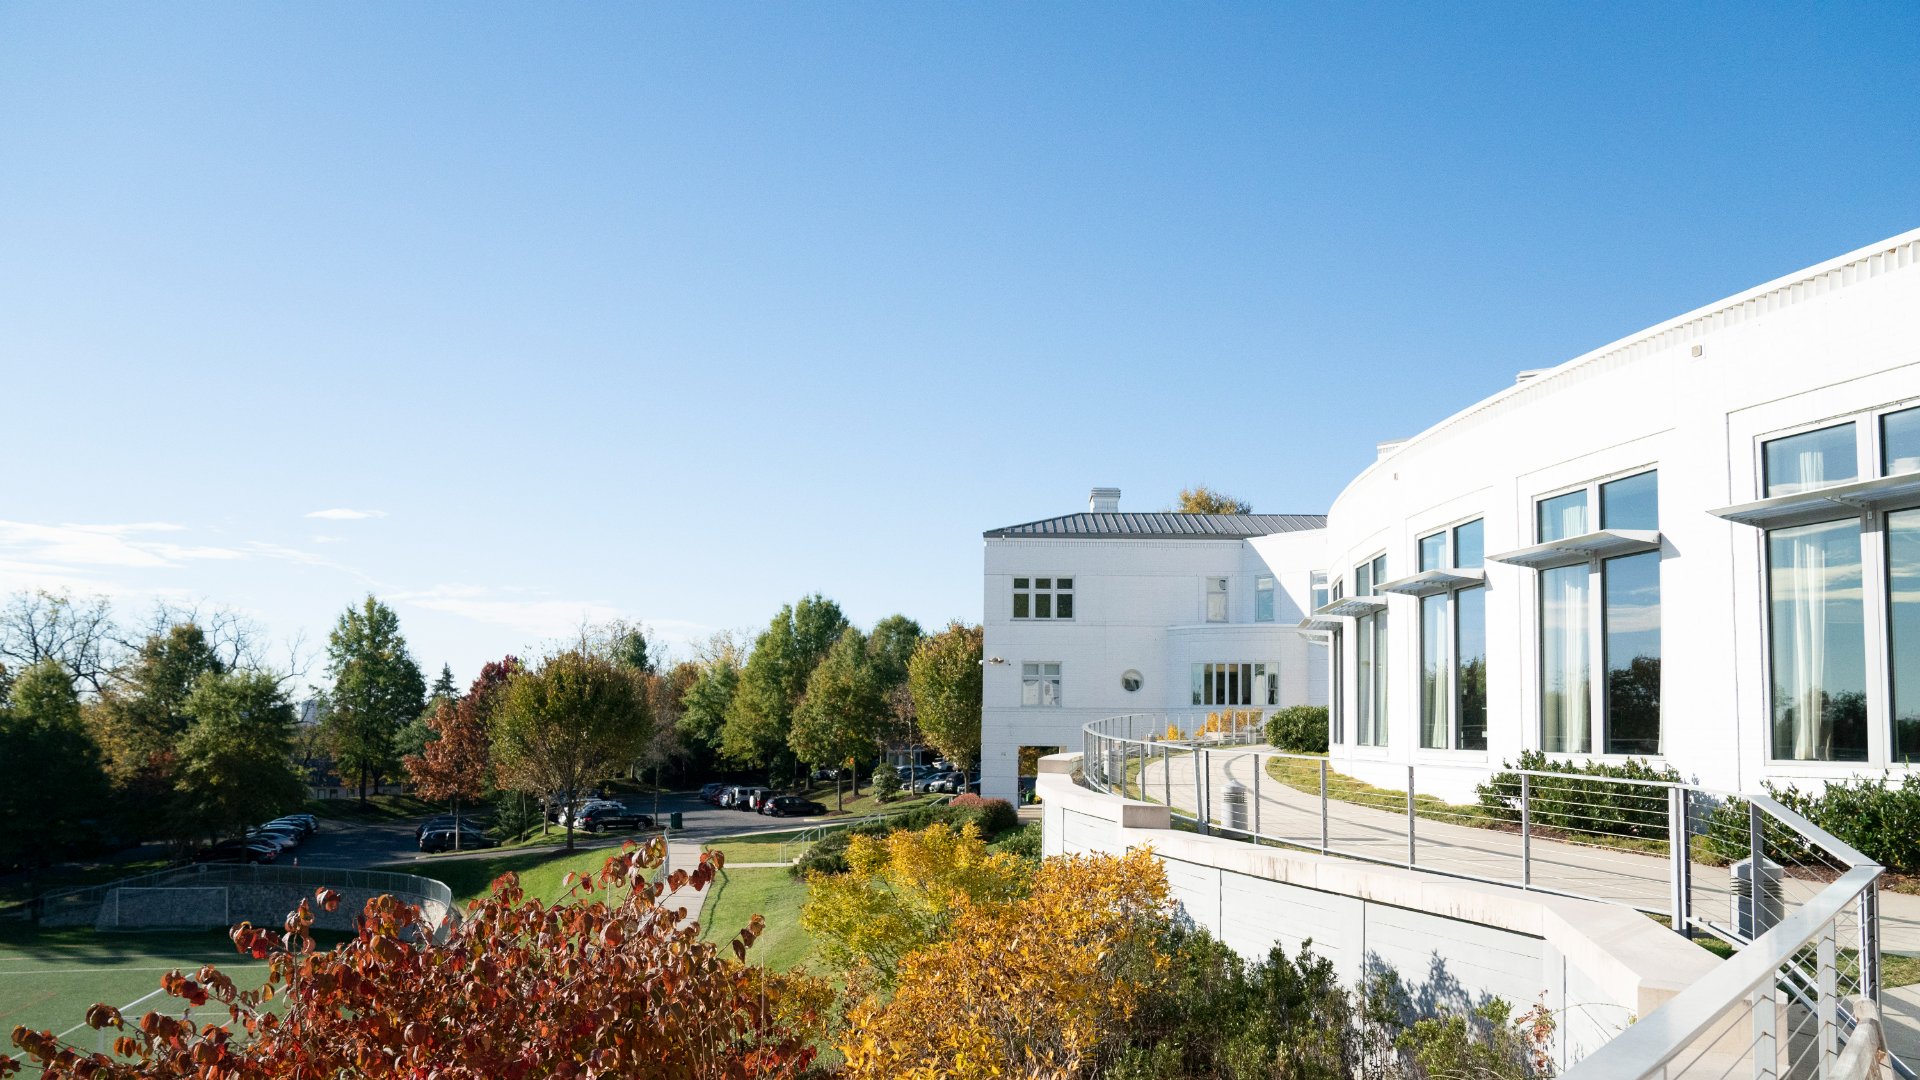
<point x="683" y="855"/>
<point x="1380" y="832"/>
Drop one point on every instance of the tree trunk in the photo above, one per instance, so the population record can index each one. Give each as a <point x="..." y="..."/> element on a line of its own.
<point x="839" y="792"/>
<point x="456" y="824"/>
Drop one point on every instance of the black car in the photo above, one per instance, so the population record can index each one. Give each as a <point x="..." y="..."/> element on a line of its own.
<point x="791" y="806"/>
<point x="440" y="838"/>
<point x="444" y="821"/>
<point x="244" y="851"/>
<point x="612" y="816"/>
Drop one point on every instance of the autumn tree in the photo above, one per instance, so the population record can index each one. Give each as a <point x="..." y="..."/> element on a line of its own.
<point x="50" y="773"/>
<point x="901" y="893"/>
<point x="603" y="983"/>
<point x="1043" y="985"/>
<point x="377" y="689"/>
<point x="945" y="679"/>
<point x="1201" y="499"/>
<point x="236" y="761"/>
<point x="454" y="766"/>
<point x="839" y="718"/>
<point x="560" y="727"/>
<point x="774" y="678"/>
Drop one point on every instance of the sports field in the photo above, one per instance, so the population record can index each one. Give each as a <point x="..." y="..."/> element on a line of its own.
<point x="48" y="976"/>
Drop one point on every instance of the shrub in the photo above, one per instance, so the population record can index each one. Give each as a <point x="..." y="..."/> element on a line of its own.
<point x="1877" y="816"/>
<point x="1300" y="729"/>
<point x="886" y="782"/>
<point x="827" y="855"/>
<point x="994" y="816"/>
<point x="1586" y="800"/>
<point x="1024" y="842"/>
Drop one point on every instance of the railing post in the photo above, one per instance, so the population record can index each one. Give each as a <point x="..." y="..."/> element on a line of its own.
<point x="1409" y="815"/>
<point x="1756" y="881"/>
<point x="1828" y="1004"/>
<point x="1679" y="858"/>
<point x="1526" y="831"/>
<point x="1870" y="943"/>
<point x="1256" y="793"/>
<point x="1166" y="773"/>
<point x="1323" y="806"/>
<point x="1199" y="793"/>
<point x="1766" y="1019"/>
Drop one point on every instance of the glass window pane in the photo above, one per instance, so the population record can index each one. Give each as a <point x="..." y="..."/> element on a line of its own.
<point x="1433" y="551"/>
<point x="1564" y="700"/>
<point x="1563" y="516"/>
<point x="1273" y="688"/>
<point x="1053" y="670"/>
<point x="1433" y="672"/>
<point x="1030" y="671"/>
<point x="1063" y="606"/>
<point x="1631" y="503"/>
<point x="1363" y="672"/>
<point x="1063" y="583"/>
<point x="1020" y="605"/>
<point x="1813" y="459"/>
<point x="1900" y="442"/>
<point x="1379" y="622"/>
<point x="1336" y="711"/>
<point x="1903" y="595"/>
<point x="1630" y="587"/>
<point x="1379" y="570"/>
<point x="1199" y="684"/>
<point x="1019" y="583"/>
<point x="1819" y="643"/>
<point x="1469" y="544"/>
<point x="1363" y="580"/>
<point x="1470" y="666"/>
<point x="1043" y="605"/>
<point x="1263" y="599"/>
<point x="1043" y="583"/>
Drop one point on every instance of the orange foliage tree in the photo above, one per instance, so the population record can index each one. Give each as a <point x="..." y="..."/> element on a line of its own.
<point x="457" y="766"/>
<point x="1042" y="986"/>
<point x="593" y="986"/>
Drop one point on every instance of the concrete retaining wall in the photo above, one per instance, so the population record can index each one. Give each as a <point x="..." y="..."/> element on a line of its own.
<point x="1456" y="943"/>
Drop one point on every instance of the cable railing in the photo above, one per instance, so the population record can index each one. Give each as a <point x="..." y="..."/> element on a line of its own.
<point x="1738" y="867"/>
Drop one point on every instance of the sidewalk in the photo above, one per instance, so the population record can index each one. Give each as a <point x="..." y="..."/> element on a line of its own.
<point x="683" y="855"/>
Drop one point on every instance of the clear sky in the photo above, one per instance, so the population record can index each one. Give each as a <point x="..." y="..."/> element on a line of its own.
<point x="679" y="312"/>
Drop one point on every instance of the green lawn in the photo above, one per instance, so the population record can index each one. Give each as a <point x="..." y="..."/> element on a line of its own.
<point x="771" y="893"/>
<point x="348" y="807"/>
<point x="48" y="976"/>
<point x="18" y="888"/>
<point x="541" y="870"/>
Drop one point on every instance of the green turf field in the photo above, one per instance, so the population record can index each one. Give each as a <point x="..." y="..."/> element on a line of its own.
<point x="48" y="976"/>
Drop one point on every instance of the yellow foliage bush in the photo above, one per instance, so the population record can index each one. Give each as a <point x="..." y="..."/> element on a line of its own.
<point x="1035" y="987"/>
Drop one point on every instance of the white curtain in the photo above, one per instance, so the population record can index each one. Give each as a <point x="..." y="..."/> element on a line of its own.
<point x="1807" y="582"/>
<point x="1566" y="700"/>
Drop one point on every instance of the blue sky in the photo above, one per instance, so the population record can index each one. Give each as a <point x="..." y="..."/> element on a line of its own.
<point x="680" y="312"/>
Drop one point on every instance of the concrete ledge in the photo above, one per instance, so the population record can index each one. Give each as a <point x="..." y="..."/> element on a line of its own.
<point x="1635" y="962"/>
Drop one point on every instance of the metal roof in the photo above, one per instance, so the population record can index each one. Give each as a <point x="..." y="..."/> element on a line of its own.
<point x="1169" y="526"/>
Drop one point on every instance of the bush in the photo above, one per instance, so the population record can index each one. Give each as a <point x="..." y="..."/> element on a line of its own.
<point x="827" y="855"/>
<point x="886" y="782"/>
<point x="1024" y="842"/>
<point x="1300" y="729"/>
<point x="1877" y="816"/>
<point x="994" y="816"/>
<point x="1586" y="800"/>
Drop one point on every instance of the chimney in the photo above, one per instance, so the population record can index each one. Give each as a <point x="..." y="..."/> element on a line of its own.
<point x="1104" y="501"/>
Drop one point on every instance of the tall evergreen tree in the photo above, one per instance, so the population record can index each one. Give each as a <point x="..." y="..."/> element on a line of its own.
<point x="443" y="687"/>
<point x="377" y="690"/>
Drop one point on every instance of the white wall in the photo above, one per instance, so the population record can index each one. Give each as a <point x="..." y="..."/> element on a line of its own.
<point x="1139" y="604"/>
<point x="1840" y="338"/>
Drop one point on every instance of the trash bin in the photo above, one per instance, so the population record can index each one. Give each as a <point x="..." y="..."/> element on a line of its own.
<point x="1750" y="918"/>
<point x="673" y="820"/>
<point x="1236" y="799"/>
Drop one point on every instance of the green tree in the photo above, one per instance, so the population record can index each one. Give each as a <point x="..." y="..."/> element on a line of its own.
<point x="444" y="688"/>
<point x="140" y="720"/>
<point x="558" y="729"/>
<point x="236" y="761"/>
<point x="890" y="647"/>
<point x="50" y="774"/>
<point x="839" y="719"/>
<point x="377" y="690"/>
<point x="945" y="679"/>
<point x="1201" y="499"/>
<point x="703" y="709"/>
<point x="774" y="678"/>
<point x="627" y="644"/>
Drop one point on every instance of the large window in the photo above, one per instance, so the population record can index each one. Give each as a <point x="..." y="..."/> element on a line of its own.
<point x="1216" y="599"/>
<point x="1620" y="712"/>
<point x="1263" y="598"/>
<point x="1236" y="684"/>
<point x="1900" y="442"/>
<point x="1811" y="460"/>
<point x="1453" y="646"/>
<point x="1040" y="683"/>
<point x="1043" y="598"/>
<point x="1370" y="639"/>
<point x="1903" y="625"/>
<point x="1819" y="642"/>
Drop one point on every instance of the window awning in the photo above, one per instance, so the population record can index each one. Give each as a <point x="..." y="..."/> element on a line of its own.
<point x="1351" y="607"/>
<point x="1429" y="582"/>
<point x="1568" y="550"/>
<point x="1319" y="624"/>
<point x="1841" y="498"/>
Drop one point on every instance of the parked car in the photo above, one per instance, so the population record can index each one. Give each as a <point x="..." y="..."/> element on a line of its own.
<point x="307" y="824"/>
<point x="756" y="797"/>
<point x="577" y="815"/>
<point x="949" y="783"/>
<point x="612" y="816"/>
<point x="831" y="773"/>
<point x="443" y="821"/>
<point x="294" y="837"/>
<point x="440" y="838"/>
<point x="791" y="806"/>
<point x="241" y="851"/>
<point x="711" y="793"/>
<point x="281" y="841"/>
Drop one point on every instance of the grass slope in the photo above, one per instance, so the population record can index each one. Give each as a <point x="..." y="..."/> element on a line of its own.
<point x="771" y="893"/>
<point x="541" y="871"/>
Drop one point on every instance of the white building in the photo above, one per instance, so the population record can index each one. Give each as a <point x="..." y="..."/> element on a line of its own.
<point x="1699" y="544"/>
<point x="1093" y="614"/>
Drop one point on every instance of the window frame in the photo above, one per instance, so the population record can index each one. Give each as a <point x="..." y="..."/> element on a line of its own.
<point x="1039" y="680"/>
<point x="1370" y="713"/>
<point x="1265" y="597"/>
<point x="1449" y="537"/>
<point x="1031" y="592"/>
<point x="1207" y="676"/>
<point x="1224" y="592"/>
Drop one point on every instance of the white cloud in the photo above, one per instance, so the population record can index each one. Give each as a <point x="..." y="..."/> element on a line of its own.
<point x="341" y="513"/>
<point x="329" y="539"/>
<point x="535" y="617"/>
<point x="124" y="546"/>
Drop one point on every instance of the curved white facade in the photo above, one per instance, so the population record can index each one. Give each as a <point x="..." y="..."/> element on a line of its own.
<point x="1793" y="673"/>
